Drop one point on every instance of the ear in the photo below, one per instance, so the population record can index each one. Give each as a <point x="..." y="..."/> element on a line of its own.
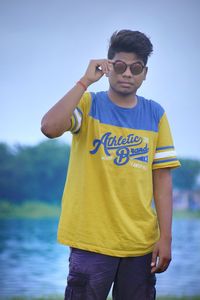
<point x="145" y="72"/>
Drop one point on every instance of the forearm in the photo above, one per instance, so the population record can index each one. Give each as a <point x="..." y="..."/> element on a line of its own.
<point x="162" y="183"/>
<point x="58" y="119"/>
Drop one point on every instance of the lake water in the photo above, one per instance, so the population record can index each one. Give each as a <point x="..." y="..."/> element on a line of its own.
<point x="32" y="263"/>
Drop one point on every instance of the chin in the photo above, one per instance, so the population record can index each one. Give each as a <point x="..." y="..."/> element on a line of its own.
<point x="125" y="92"/>
<point x="122" y="91"/>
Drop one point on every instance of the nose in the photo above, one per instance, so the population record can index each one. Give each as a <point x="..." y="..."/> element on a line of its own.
<point x="127" y="72"/>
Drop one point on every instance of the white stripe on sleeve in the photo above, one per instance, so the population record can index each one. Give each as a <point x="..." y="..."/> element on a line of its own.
<point x="78" y="120"/>
<point x="164" y="154"/>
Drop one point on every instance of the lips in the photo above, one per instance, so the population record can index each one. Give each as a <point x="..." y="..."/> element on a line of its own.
<point x="125" y="83"/>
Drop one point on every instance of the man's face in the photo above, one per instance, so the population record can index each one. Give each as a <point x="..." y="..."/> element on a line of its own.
<point x="126" y="83"/>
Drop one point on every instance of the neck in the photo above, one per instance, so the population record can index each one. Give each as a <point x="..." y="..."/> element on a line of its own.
<point x="127" y="101"/>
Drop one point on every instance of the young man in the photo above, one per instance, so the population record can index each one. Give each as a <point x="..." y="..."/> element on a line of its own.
<point x="121" y="156"/>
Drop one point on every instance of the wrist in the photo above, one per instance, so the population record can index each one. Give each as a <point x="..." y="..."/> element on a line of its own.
<point x="167" y="237"/>
<point x="85" y="81"/>
<point x="82" y="85"/>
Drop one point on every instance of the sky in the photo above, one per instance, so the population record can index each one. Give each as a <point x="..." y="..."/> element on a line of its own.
<point x="46" y="45"/>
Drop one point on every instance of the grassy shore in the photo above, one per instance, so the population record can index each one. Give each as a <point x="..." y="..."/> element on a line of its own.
<point x="28" y="209"/>
<point x="61" y="298"/>
<point x="39" y="209"/>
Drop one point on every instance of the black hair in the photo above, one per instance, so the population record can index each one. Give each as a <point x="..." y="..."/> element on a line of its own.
<point x="132" y="42"/>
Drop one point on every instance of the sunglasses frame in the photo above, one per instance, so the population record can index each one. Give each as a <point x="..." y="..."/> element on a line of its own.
<point x="128" y="65"/>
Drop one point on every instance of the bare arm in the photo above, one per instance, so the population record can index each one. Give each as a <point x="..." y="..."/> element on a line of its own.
<point x="162" y="185"/>
<point x="58" y="119"/>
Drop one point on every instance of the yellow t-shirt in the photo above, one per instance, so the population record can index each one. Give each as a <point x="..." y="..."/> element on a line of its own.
<point x="107" y="200"/>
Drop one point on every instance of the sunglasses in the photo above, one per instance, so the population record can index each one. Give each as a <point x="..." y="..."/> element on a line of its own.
<point x="120" y="67"/>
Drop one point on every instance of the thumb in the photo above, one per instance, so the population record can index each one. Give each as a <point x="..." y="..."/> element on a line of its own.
<point x="154" y="257"/>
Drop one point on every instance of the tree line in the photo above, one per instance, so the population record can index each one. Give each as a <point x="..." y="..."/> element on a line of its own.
<point x="38" y="172"/>
<point x="33" y="172"/>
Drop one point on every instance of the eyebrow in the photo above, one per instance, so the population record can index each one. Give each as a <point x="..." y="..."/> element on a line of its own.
<point x="138" y="61"/>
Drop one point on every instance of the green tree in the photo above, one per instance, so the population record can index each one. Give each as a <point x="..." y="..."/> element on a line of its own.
<point x="8" y="184"/>
<point x="185" y="177"/>
<point x="38" y="172"/>
<point x="34" y="172"/>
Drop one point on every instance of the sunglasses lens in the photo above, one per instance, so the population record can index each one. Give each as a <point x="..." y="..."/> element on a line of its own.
<point x="136" y="68"/>
<point x="119" y="67"/>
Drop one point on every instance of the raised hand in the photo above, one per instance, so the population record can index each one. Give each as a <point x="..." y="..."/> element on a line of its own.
<point x="95" y="70"/>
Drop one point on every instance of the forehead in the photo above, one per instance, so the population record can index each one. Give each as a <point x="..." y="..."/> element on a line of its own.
<point x="126" y="57"/>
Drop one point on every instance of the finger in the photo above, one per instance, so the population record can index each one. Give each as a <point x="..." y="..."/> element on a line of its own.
<point x="154" y="257"/>
<point x="164" y="268"/>
<point x="103" y="65"/>
<point x="110" y="66"/>
<point x="106" y="67"/>
<point x="162" y="265"/>
<point x="160" y="269"/>
<point x="154" y="268"/>
<point x="99" y="69"/>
